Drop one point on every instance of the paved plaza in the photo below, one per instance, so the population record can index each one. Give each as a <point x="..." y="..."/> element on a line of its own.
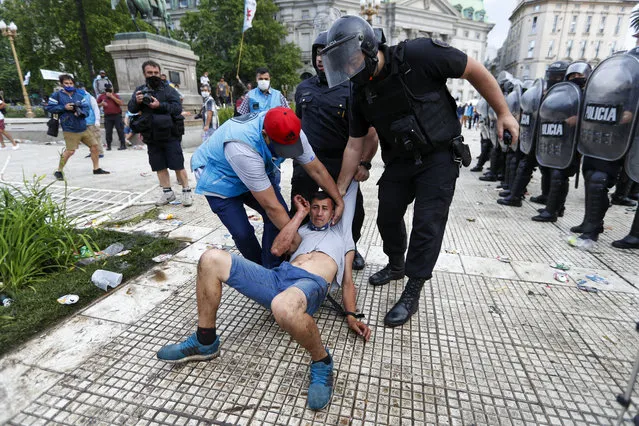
<point x="493" y="342"/>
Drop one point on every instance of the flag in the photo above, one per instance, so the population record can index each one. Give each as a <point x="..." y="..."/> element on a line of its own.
<point x="249" y="13"/>
<point x="26" y="79"/>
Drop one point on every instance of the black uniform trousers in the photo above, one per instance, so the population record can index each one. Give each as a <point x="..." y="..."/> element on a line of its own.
<point x="111" y="121"/>
<point x="303" y="184"/>
<point x="432" y="186"/>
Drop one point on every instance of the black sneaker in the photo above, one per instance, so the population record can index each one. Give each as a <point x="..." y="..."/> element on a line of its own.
<point x="122" y="148"/>
<point x="58" y="175"/>
<point x="100" y="172"/>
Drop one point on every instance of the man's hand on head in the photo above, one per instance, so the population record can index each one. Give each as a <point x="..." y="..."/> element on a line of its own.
<point x="301" y="205"/>
<point x="359" y="327"/>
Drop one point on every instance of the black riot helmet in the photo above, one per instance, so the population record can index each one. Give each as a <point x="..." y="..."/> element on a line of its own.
<point x="579" y="67"/>
<point x="350" y="52"/>
<point x="555" y="73"/>
<point x="319" y="44"/>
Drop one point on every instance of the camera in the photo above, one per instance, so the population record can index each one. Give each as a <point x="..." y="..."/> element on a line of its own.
<point x="77" y="108"/>
<point x="147" y="99"/>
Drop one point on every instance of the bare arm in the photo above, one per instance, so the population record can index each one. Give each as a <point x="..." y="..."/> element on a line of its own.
<point x="349" y="299"/>
<point x="320" y="175"/>
<point x="116" y="99"/>
<point x="487" y="86"/>
<point x="352" y="156"/>
<point x="209" y="117"/>
<point x="371" y="141"/>
<point x="282" y="243"/>
<point x="277" y="213"/>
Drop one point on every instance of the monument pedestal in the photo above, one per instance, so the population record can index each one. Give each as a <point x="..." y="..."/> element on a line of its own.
<point x="177" y="60"/>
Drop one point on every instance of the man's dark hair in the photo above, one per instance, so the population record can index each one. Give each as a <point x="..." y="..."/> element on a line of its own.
<point x="152" y="64"/>
<point x="63" y="77"/>
<point x="322" y="195"/>
<point x="262" y="70"/>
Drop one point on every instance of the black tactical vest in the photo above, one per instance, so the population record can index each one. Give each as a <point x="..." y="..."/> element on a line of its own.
<point x="395" y="103"/>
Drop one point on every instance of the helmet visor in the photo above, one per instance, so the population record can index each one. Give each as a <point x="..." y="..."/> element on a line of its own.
<point x="342" y="60"/>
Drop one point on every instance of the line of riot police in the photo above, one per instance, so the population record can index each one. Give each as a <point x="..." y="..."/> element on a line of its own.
<point x="573" y="116"/>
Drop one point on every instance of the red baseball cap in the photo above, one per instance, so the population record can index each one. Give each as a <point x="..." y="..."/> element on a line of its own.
<point x="283" y="127"/>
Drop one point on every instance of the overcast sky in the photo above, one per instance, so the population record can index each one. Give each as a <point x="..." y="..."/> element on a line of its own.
<point x="499" y="11"/>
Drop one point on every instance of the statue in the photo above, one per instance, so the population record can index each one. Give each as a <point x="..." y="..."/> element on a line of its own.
<point x="147" y="9"/>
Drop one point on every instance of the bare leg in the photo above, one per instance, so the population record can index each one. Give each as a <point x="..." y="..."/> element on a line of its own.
<point x="182" y="177"/>
<point x="95" y="153"/>
<point x="289" y="309"/>
<point x="164" y="178"/>
<point x="214" y="268"/>
<point x="66" y="154"/>
<point x="8" y="136"/>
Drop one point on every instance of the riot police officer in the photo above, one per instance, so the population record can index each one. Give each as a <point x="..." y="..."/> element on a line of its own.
<point x="556" y="146"/>
<point x="324" y="114"/>
<point x="401" y="91"/>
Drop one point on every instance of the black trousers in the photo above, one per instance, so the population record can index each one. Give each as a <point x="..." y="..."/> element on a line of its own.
<point x="303" y="184"/>
<point x="110" y="121"/>
<point x="431" y="186"/>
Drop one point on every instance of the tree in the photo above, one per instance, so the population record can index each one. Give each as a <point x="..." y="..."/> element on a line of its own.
<point x="48" y="38"/>
<point x="634" y="20"/>
<point x="215" y="32"/>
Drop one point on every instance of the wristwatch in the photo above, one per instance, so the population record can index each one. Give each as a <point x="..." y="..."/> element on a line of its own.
<point x="366" y="164"/>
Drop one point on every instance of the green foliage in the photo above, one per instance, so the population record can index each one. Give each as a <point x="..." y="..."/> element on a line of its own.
<point x="224" y="114"/>
<point x="36" y="237"/>
<point x="634" y="20"/>
<point x="49" y="38"/>
<point x="215" y="32"/>
<point x="20" y="112"/>
<point x="34" y="311"/>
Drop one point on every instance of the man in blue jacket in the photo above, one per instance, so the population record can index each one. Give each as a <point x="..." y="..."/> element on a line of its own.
<point x="263" y="97"/>
<point x="72" y="110"/>
<point x="239" y="165"/>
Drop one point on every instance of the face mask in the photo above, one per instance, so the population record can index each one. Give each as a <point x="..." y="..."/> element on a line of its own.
<point x="205" y="94"/>
<point x="264" y="85"/>
<point x="70" y="89"/>
<point x="364" y="76"/>
<point x="154" y="81"/>
<point x="579" y="81"/>
<point x="319" y="228"/>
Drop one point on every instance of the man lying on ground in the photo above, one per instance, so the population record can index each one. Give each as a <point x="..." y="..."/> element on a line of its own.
<point x="293" y="291"/>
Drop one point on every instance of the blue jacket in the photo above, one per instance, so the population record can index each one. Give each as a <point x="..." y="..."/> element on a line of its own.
<point x="260" y="101"/>
<point x="217" y="176"/>
<point x="69" y="120"/>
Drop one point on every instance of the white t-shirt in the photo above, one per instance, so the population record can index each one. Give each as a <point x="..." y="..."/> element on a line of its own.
<point x="204" y="80"/>
<point x="1" y="114"/>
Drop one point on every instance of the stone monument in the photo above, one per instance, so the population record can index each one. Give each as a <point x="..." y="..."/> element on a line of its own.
<point x="177" y="60"/>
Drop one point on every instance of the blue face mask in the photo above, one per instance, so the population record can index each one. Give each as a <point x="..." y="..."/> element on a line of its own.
<point x="70" y="89"/>
<point x="319" y="228"/>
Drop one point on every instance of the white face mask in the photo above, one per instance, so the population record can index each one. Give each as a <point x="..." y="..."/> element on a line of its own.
<point x="205" y="94"/>
<point x="264" y="85"/>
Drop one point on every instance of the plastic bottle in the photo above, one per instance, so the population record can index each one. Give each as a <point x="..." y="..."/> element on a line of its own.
<point x="165" y="216"/>
<point x="5" y="300"/>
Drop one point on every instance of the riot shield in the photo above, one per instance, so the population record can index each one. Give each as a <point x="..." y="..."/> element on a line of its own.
<point x="610" y="108"/>
<point x="557" y="131"/>
<point x="482" y="108"/>
<point x="514" y="105"/>
<point x="492" y="129"/>
<point x="484" y="122"/>
<point x="530" y="102"/>
<point x="632" y="158"/>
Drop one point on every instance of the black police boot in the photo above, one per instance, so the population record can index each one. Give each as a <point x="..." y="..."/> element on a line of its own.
<point x="489" y="177"/>
<point x="358" y="261"/>
<point x="516" y="190"/>
<point x="407" y="304"/>
<point x="596" y="207"/>
<point x="556" y="198"/>
<point x="477" y="168"/>
<point x="630" y="241"/>
<point x="539" y="199"/>
<point x="621" y="200"/>
<point x="504" y="193"/>
<point x="545" y="187"/>
<point x="486" y="147"/>
<point x="393" y="271"/>
<point x="579" y="229"/>
<point x="634" y="192"/>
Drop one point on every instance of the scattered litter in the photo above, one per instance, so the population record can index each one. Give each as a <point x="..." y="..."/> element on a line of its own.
<point x="452" y="251"/>
<point x="479" y="203"/>
<point x="561" y="277"/>
<point x="608" y="228"/>
<point x="104" y="279"/>
<point x="175" y="202"/>
<point x="5" y="300"/>
<point x="165" y="216"/>
<point x="597" y="278"/>
<point x="145" y="174"/>
<point x="494" y="310"/>
<point x="503" y="258"/>
<point x="129" y="291"/>
<point x="113" y="249"/>
<point x="471" y="219"/>
<point x="123" y="253"/>
<point x="162" y="258"/>
<point x="68" y="299"/>
<point x="532" y="293"/>
<point x="562" y="266"/>
<point x="585" y="245"/>
<point x="174" y="222"/>
<point x="587" y="288"/>
<point x="159" y="275"/>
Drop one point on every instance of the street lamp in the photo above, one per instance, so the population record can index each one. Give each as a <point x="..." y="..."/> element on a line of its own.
<point x="369" y="8"/>
<point x="11" y="31"/>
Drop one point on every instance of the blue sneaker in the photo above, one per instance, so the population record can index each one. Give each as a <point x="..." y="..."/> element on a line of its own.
<point x="321" y="387"/>
<point x="189" y="350"/>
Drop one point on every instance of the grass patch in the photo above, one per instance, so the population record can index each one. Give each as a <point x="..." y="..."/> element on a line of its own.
<point x="36" y="309"/>
<point x="150" y="214"/>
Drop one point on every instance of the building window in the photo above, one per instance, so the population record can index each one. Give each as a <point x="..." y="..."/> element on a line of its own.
<point x="169" y="6"/>
<point x="602" y="25"/>
<point x="476" y="54"/>
<point x="477" y="35"/>
<point x="568" y="48"/>
<point x="468" y="13"/>
<point x="588" y="23"/>
<point x="183" y="4"/>
<point x="466" y="34"/>
<point x="573" y="24"/>
<point x="526" y="73"/>
<point x="533" y="30"/>
<point x="536" y="8"/>
<point x="582" y="49"/>
<point x="551" y="45"/>
<point x="555" y="21"/>
<point x="597" y="46"/>
<point x="306" y="14"/>
<point x="531" y="49"/>
<point x="378" y="20"/>
<point x="479" y="16"/>
<point x="613" y="47"/>
<point x="618" y="26"/>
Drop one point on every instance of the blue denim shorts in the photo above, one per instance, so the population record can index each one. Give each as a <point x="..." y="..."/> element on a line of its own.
<point x="262" y="285"/>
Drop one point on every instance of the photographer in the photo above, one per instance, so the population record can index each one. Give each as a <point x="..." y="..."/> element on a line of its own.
<point x="111" y="103"/>
<point x="162" y="126"/>
<point x="72" y="110"/>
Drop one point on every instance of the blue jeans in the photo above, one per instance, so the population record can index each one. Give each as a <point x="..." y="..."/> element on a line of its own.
<point x="262" y="285"/>
<point x="232" y="214"/>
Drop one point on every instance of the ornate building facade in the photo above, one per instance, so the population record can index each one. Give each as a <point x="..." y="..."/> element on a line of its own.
<point x="544" y="31"/>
